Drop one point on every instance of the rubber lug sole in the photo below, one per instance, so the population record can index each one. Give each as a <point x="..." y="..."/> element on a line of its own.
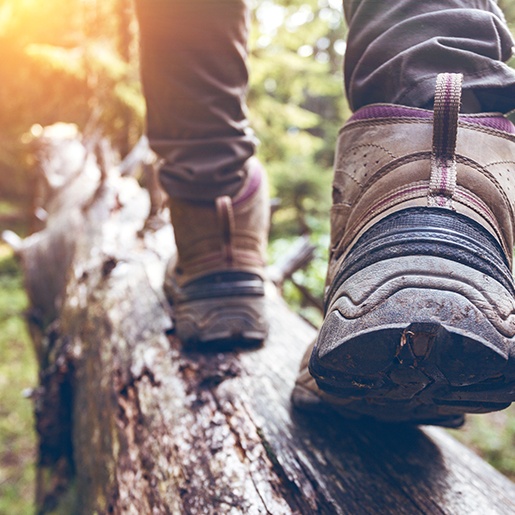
<point x="416" y="339"/>
<point x="233" y="321"/>
<point x="424" y="371"/>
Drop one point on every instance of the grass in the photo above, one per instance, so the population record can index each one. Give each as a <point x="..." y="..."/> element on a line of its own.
<point x="18" y="372"/>
<point x="492" y="436"/>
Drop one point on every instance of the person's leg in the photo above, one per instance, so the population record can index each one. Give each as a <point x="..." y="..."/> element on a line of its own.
<point x="420" y="304"/>
<point x="194" y="77"/>
<point x="395" y="50"/>
<point x="193" y="60"/>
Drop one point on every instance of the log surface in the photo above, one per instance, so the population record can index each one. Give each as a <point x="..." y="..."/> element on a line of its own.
<point x="132" y="423"/>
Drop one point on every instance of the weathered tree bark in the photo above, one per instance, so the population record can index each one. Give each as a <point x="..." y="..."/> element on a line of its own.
<point x="132" y="423"/>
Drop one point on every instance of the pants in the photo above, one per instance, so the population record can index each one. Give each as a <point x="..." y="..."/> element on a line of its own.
<point x="195" y="77"/>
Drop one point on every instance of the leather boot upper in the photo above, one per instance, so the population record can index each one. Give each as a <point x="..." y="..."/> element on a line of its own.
<point x="227" y="234"/>
<point x="393" y="157"/>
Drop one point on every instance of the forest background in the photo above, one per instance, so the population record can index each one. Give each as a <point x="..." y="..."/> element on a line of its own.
<point x="76" y="61"/>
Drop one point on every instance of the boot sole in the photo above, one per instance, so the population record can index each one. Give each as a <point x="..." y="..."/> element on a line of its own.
<point x="416" y="344"/>
<point x="234" y="321"/>
<point x="419" y="338"/>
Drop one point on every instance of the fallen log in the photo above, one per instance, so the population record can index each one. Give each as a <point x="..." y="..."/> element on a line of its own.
<point x="131" y="423"/>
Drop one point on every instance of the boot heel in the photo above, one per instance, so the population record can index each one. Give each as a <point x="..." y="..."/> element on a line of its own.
<point x="420" y="308"/>
<point x="236" y="319"/>
<point x="422" y="320"/>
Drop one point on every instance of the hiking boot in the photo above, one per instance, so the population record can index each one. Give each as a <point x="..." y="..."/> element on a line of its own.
<point x="420" y="309"/>
<point x="217" y="285"/>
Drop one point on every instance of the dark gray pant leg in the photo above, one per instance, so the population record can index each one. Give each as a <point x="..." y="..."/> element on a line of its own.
<point x="397" y="47"/>
<point x="195" y="78"/>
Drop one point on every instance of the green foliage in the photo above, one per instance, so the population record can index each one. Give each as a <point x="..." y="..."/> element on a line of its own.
<point x="296" y="108"/>
<point x="312" y="277"/>
<point x="17" y="373"/>
<point x="492" y="436"/>
<point x="296" y="92"/>
<point x="64" y="61"/>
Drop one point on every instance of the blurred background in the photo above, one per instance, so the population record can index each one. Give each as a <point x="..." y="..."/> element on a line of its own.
<point x="77" y="61"/>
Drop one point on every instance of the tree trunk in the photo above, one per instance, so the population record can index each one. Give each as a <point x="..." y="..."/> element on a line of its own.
<point x="132" y="423"/>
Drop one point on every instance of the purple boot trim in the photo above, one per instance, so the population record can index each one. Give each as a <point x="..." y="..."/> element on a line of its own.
<point x="381" y="111"/>
<point x="253" y="182"/>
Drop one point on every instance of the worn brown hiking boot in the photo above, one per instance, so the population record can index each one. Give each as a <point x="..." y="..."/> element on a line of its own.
<point x="217" y="285"/>
<point x="420" y="306"/>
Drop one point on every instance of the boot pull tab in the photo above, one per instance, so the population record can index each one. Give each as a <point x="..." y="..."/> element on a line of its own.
<point x="225" y="216"/>
<point x="442" y="183"/>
